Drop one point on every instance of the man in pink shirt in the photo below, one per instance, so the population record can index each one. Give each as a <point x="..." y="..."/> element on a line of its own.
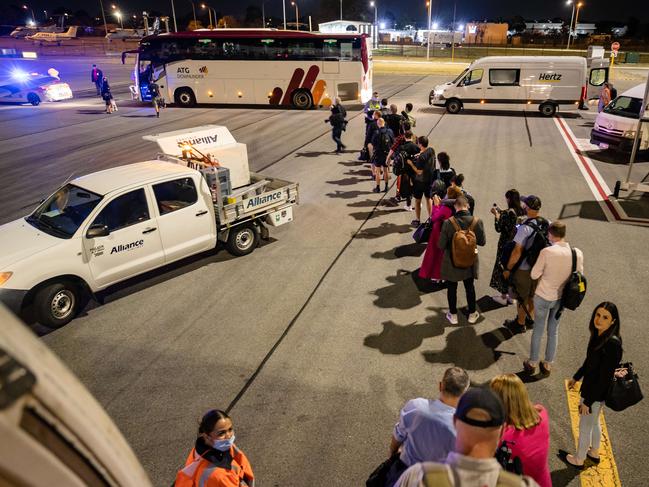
<point x="552" y="270"/>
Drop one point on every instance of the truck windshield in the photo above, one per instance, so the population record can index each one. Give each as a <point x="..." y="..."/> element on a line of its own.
<point x="624" y="106"/>
<point x="460" y="76"/>
<point x="62" y="214"/>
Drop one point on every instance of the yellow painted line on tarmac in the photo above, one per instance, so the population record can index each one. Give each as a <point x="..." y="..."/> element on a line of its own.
<point x="602" y="475"/>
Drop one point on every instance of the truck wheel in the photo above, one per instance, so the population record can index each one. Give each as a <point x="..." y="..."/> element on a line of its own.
<point x="184" y="97"/>
<point x="56" y="304"/>
<point x="548" y="109"/>
<point x="34" y="99"/>
<point x="453" y="106"/>
<point x="242" y="239"/>
<point x="302" y="100"/>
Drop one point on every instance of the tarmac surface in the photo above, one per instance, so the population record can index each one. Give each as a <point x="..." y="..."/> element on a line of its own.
<point x="318" y="338"/>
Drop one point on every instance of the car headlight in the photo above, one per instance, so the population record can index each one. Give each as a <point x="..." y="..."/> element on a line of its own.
<point x="439" y="92"/>
<point x="629" y="134"/>
<point x="4" y="277"/>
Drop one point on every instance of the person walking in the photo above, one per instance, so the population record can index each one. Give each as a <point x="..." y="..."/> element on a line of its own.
<point x="527" y="427"/>
<point x="551" y="271"/>
<point x="337" y="121"/>
<point x="97" y="77"/>
<point x="371" y="107"/>
<point x="382" y="141"/>
<point x="425" y="430"/>
<point x="505" y="223"/>
<point x="521" y="261"/>
<point x="431" y="266"/>
<point x="604" y="97"/>
<point x="603" y="356"/>
<point x="451" y="273"/>
<point x="215" y="460"/>
<point x="422" y="167"/>
<point x="479" y="422"/>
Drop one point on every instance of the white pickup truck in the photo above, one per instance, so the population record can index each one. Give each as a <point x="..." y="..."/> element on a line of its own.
<point x="106" y="227"/>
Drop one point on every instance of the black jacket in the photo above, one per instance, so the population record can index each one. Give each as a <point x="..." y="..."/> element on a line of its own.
<point x="598" y="369"/>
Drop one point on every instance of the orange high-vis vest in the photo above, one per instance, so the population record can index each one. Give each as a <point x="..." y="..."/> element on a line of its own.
<point x="199" y="472"/>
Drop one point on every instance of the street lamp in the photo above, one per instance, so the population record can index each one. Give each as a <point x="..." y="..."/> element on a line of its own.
<point x="572" y="17"/>
<point x="194" y="12"/>
<point x="103" y="16"/>
<point x="579" y="5"/>
<point x="376" y="24"/>
<point x="297" y="16"/>
<point x="429" y="4"/>
<point x="32" y="11"/>
<point x="209" y="11"/>
<point x="284" y="12"/>
<point x="173" y="12"/>
<point x="118" y="14"/>
<point x="341" y="9"/>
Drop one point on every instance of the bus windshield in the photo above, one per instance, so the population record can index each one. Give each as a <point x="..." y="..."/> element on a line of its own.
<point x="62" y="214"/>
<point x="625" y="106"/>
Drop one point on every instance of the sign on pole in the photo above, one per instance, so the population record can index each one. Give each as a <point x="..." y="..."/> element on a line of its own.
<point x="615" y="47"/>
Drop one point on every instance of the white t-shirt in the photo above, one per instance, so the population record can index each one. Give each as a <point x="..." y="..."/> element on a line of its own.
<point x="553" y="268"/>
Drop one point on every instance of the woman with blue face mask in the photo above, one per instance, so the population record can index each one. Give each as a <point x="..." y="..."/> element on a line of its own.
<point x="215" y="461"/>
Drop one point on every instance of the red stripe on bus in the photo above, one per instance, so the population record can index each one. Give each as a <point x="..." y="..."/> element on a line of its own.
<point x="298" y="74"/>
<point x="276" y="96"/>
<point x="311" y="75"/>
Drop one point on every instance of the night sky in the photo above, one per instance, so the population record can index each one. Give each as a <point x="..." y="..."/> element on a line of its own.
<point x="542" y="10"/>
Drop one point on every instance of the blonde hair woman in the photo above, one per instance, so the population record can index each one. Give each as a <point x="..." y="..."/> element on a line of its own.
<point x="527" y="428"/>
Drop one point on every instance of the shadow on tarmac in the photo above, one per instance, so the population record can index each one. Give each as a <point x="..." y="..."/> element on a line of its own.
<point x="615" y="157"/>
<point x="382" y="230"/>
<point x="397" y="339"/>
<point x="348" y="195"/>
<point x="562" y="478"/>
<point x="372" y="203"/>
<point x="408" y="250"/>
<point x="589" y="210"/>
<point x="347" y="181"/>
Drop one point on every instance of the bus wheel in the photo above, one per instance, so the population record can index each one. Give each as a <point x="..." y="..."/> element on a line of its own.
<point x="548" y="109"/>
<point x="242" y="239"/>
<point x="34" y="99"/>
<point x="184" y="97"/>
<point x="302" y="100"/>
<point x="56" y="304"/>
<point x="453" y="106"/>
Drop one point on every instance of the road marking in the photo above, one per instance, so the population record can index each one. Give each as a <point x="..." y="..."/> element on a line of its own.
<point x="601" y="191"/>
<point x="602" y="475"/>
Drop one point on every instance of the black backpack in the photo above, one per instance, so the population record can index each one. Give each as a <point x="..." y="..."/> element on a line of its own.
<point x="507" y="460"/>
<point x="575" y="289"/>
<point x="539" y="242"/>
<point x="613" y="93"/>
<point x="385" y="141"/>
<point x="399" y="163"/>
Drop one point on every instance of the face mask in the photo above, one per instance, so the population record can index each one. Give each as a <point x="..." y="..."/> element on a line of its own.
<point x="223" y="445"/>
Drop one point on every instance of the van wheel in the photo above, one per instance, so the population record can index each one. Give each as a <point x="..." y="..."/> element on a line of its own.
<point x="302" y="100"/>
<point x="34" y="99"/>
<point x="453" y="106"/>
<point x="56" y="304"/>
<point x="548" y="109"/>
<point x="242" y="239"/>
<point x="184" y="97"/>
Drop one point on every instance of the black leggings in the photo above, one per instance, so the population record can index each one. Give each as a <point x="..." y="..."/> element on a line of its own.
<point x="451" y="289"/>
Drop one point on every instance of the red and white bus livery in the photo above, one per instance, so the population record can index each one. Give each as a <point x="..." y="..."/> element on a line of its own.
<point x="247" y="66"/>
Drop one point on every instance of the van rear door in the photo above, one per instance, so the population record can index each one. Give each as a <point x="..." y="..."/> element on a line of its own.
<point x="598" y="72"/>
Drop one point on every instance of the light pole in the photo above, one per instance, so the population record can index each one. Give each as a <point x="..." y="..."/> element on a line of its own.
<point x="173" y="12"/>
<point x="209" y="12"/>
<point x="341" y="9"/>
<point x="572" y="17"/>
<point x="103" y="16"/>
<point x="284" y="12"/>
<point x="263" y="14"/>
<point x="429" y="4"/>
<point x="579" y="5"/>
<point x="297" y="16"/>
<point x="118" y="14"/>
<point x="32" y="11"/>
<point x="453" y="33"/>
<point x="194" y="12"/>
<point x="376" y="24"/>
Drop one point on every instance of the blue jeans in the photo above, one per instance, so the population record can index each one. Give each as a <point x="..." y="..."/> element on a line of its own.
<point x="336" y="134"/>
<point x="590" y="431"/>
<point x="545" y="311"/>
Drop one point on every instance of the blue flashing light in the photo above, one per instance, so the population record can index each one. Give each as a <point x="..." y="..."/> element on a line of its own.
<point x="19" y="75"/>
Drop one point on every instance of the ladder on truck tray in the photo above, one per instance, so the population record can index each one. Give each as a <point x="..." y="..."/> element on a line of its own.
<point x="628" y="185"/>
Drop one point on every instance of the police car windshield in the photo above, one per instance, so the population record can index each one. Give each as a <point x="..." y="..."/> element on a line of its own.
<point x="62" y="214"/>
<point x="625" y="106"/>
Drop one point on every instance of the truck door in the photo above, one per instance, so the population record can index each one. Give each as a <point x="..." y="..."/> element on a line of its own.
<point x="187" y="225"/>
<point x="133" y="244"/>
<point x="470" y="89"/>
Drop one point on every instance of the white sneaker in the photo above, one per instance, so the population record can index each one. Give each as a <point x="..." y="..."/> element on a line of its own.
<point x="473" y="317"/>
<point x="452" y="318"/>
<point x="408" y="208"/>
<point x="500" y="300"/>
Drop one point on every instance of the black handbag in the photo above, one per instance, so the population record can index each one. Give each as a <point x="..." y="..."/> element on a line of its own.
<point x="422" y="233"/>
<point x="379" y="477"/>
<point x="624" y="391"/>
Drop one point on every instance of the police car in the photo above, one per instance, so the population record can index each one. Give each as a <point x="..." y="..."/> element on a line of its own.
<point x="34" y="88"/>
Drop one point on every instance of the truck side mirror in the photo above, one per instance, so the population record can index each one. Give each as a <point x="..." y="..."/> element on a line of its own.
<point x="97" y="230"/>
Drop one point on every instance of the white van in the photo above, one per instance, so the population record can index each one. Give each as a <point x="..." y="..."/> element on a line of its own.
<point x="615" y="126"/>
<point x="519" y="81"/>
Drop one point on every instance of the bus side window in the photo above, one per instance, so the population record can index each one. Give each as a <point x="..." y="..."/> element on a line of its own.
<point x="346" y="51"/>
<point x="331" y="50"/>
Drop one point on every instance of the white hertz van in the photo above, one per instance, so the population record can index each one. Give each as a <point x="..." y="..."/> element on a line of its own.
<point x="615" y="126"/>
<point x="509" y="81"/>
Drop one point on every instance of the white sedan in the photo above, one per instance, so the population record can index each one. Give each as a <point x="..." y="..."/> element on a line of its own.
<point x="34" y="88"/>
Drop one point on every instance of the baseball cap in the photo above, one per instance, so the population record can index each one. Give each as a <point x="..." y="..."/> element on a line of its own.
<point x="481" y="398"/>
<point x="532" y="202"/>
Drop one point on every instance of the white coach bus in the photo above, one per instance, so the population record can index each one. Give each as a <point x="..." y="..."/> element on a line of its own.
<point x="248" y="66"/>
